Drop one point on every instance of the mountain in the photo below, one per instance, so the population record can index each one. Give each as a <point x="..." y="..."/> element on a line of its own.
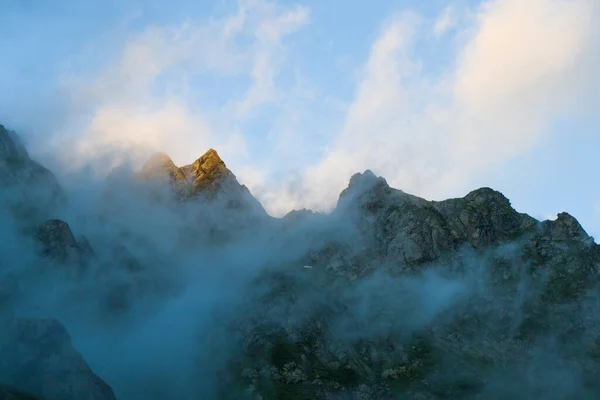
<point x="36" y="355"/>
<point x="389" y="296"/>
<point x="207" y="178"/>
<point x="439" y="300"/>
<point x="29" y="189"/>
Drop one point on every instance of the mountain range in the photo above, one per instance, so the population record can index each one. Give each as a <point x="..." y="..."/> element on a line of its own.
<point x="389" y="296"/>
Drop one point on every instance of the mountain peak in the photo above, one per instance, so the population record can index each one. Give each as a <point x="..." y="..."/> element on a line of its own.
<point x="207" y="170"/>
<point x="211" y="153"/>
<point x="566" y="227"/>
<point x="160" y="166"/>
<point x="8" y="148"/>
<point x="486" y="195"/>
<point x="208" y="177"/>
<point x="367" y="178"/>
<point x="158" y="159"/>
<point x="364" y="184"/>
<point x="210" y="162"/>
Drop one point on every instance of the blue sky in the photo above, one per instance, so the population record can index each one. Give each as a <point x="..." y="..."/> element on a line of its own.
<point x="439" y="97"/>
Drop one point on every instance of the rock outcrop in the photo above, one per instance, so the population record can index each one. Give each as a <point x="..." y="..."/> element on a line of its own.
<point x="37" y="356"/>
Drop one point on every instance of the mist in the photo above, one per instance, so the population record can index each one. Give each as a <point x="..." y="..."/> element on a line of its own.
<point x="188" y="299"/>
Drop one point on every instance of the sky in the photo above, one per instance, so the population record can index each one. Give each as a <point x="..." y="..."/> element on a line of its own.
<point x="438" y="97"/>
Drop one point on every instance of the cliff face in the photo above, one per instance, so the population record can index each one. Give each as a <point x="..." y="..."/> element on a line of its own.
<point x="390" y="296"/>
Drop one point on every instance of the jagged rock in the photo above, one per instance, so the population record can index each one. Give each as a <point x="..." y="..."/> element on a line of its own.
<point x="37" y="356"/>
<point x="208" y="178"/>
<point x="58" y="243"/>
<point x="208" y="174"/>
<point x="364" y="184"/>
<point x="484" y="217"/>
<point x="411" y="230"/>
<point x="565" y="227"/>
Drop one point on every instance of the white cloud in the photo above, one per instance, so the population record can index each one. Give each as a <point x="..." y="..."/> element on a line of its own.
<point x="549" y="217"/>
<point x="521" y="65"/>
<point x="144" y="100"/>
<point x="520" y="69"/>
<point x="445" y="22"/>
<point x="268" y="52"/>
<point x="516" y="66"/>
<point x="123" y="132"/>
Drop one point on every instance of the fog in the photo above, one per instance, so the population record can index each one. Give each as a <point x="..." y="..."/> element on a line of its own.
<point x="164" y="307"/>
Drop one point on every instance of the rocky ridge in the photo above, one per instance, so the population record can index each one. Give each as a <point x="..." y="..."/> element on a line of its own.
<point x="400" y="297"/>
<point x="477" y="243"/>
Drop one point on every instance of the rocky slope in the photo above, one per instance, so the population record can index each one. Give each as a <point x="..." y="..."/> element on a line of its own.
<point x="463" y="298"/>
<point x="37" y="356"/>
<point x="390" y="296"/>
<point x="30" y="190"/>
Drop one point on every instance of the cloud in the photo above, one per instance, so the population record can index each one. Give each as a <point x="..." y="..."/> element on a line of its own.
<point x="127" y="131"/>
<point x="521" y="69"/>
<point x="267" y="59"/>
<point x="516" y="67"/>
<point x="153" y="96"/>
<point x="445" y="22"/>
<point x="508" y="70"/>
